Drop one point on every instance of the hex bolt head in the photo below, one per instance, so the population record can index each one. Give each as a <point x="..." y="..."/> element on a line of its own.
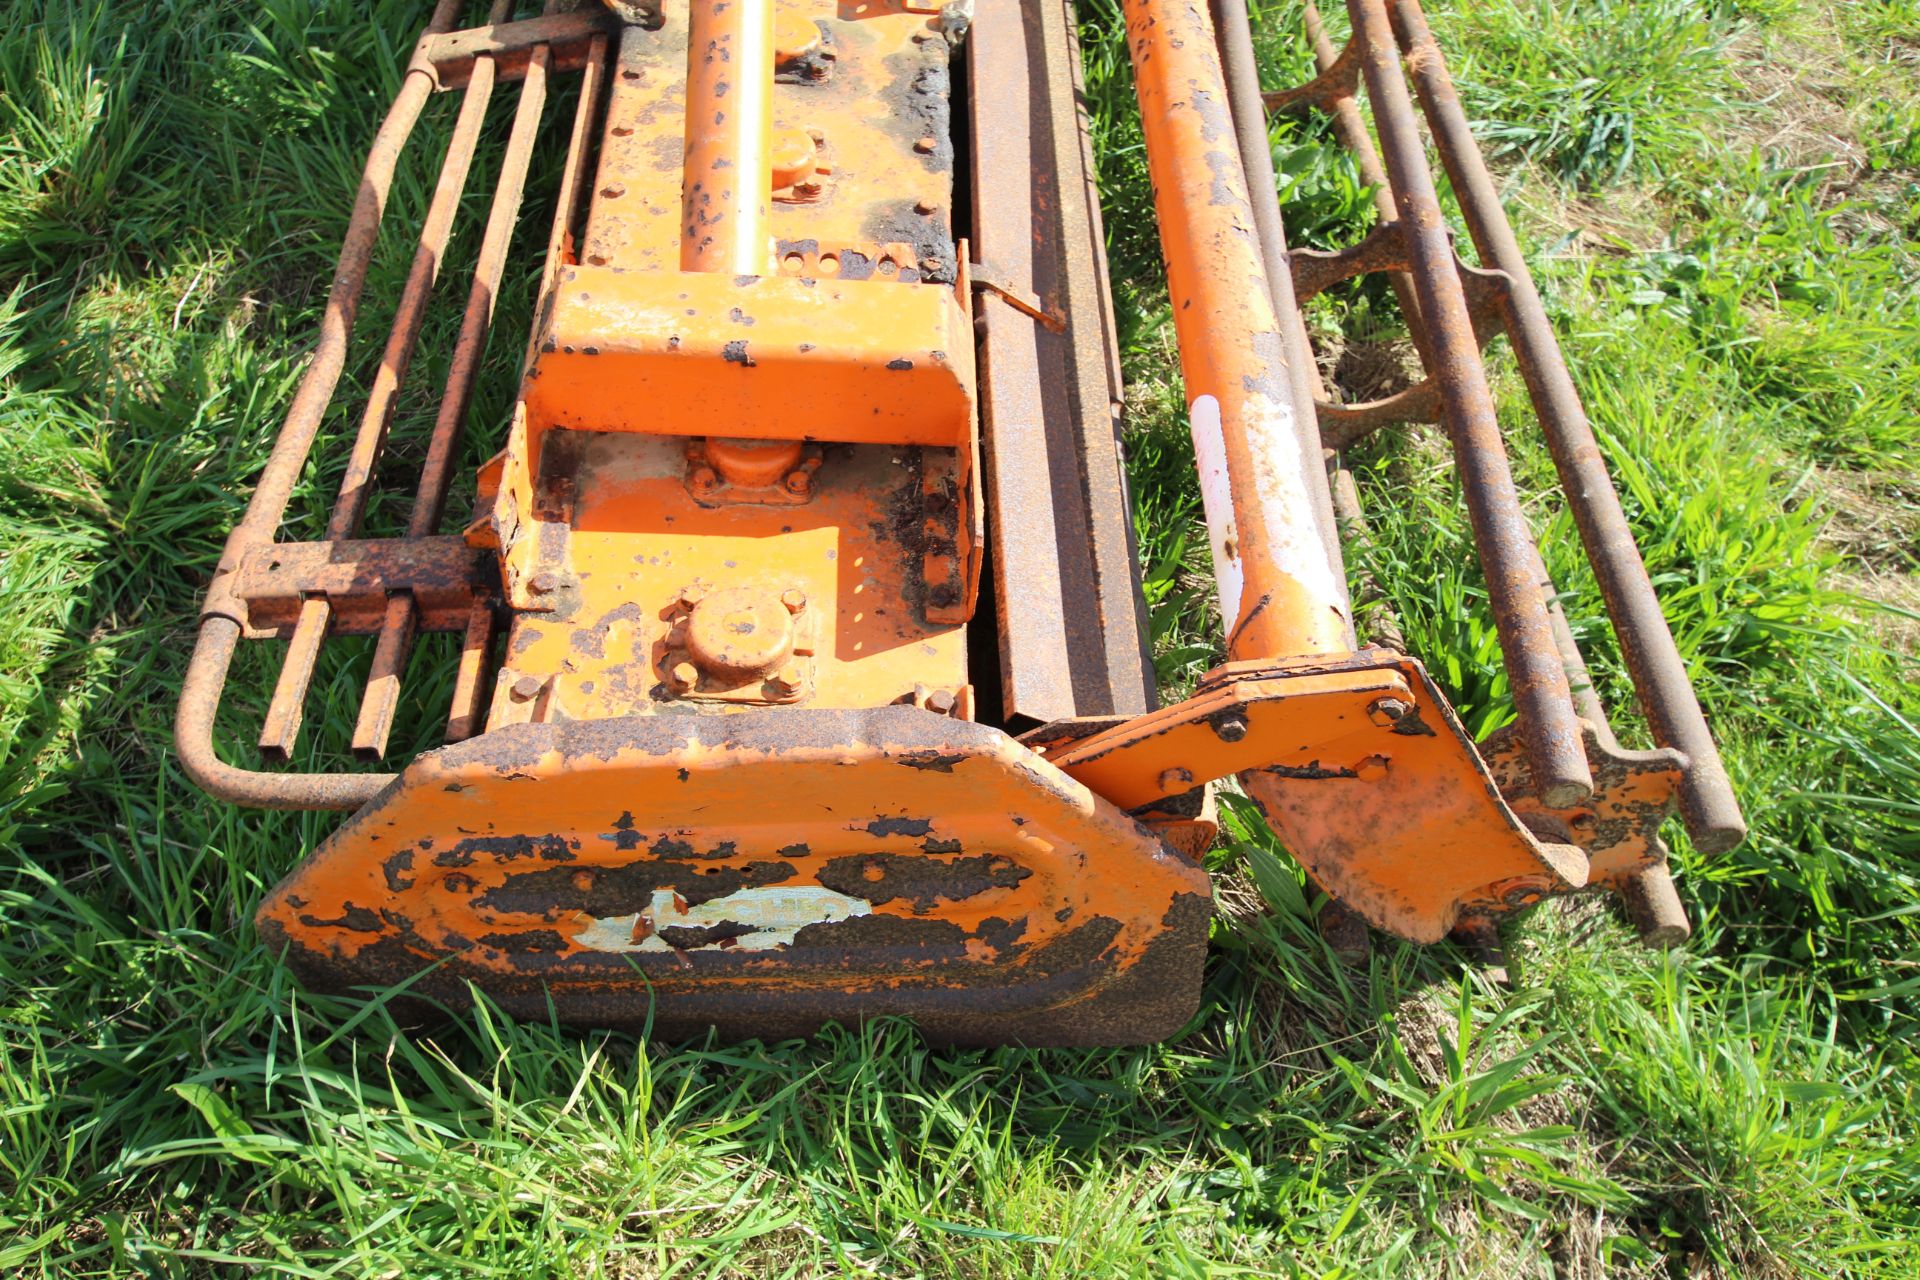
<point x="799" y="482"/>
<point x="545" y="582"/>
<point x="941" y="702"/>
<point x="1230" y="726"/>
<point x="786" y="681"/>
<point x="925" y="145"/>
<point x="704" y="478"/>
<point x="1388" y="712"/>
<point x="525" y="689"/>
<point x="1583" y="824"/>
<point x="924" y="205"/>
<point x="683" y="676"/>
<point x="794" y="598"/>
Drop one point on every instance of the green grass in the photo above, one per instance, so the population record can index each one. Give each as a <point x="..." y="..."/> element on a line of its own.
<point x="1731" y="253"/>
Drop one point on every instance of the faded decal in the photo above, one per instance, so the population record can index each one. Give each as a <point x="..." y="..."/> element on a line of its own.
<point x="1216" y="497"/>
<point x="750" y="919"/>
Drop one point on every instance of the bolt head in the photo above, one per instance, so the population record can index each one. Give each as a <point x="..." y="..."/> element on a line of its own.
<point x="794" y="598"/>
<point x="1388" y="712"/>
<point x="925" y="145"/>
<point x="799" y="482"/>
<point x="525" y="689"/>
<point x="924" y="206"/>
<point x="940" y="702"/>
<point x="683" y="676"/>
<point x="544" y="583"/>
<point x="786" y="681"/>
<point x="1231" y="727"/>
<point x="693" y="593"/>
<point x="704" y="478"/>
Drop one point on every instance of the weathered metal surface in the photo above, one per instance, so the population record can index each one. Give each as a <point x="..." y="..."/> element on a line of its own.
<point x="1072" y="625"/>
<point x="1279" y="594"/>
<point x="504" y="49"/>
<point x="277" y="585"/>
<point x="1364" y="772"/>
<point x="632" y="872"/>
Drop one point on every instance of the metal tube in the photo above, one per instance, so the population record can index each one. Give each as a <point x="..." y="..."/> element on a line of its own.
<point x="1707" y="803"/>
<point x="728" y="182"/>
<point x="219" y="631"/>
<point x="281" y="728"/>
<point x="390" y="653"/>
<point x="1242" y="72"/>
<point x="1278" y="594"/>
<point x="1541" y="697"/>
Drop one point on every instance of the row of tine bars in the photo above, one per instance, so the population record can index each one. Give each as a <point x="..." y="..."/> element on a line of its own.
<point x="1441" y="299"/>
<point x="397" y="629"/>
<point x="220" y="631"/>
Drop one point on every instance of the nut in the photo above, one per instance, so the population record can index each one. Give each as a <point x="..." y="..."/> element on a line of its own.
<point x="1388" y="712"/>
<point x="940" y="702"/>
<point x="794" y="598"/>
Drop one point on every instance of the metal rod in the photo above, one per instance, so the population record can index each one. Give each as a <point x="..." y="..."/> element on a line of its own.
<point x="220" y="624"/>
<point x="1235" y="35"/>
<point x="727" y="186"/>
<point x="1707" y="803"/>
<point x="1278" y="594"/>
<point x="390" y="653"/>
<point x="281" y="728"/>
<point x="1542" y="702"/>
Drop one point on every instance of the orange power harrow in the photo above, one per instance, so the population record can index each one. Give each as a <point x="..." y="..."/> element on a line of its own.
<point x="802" y="672"/>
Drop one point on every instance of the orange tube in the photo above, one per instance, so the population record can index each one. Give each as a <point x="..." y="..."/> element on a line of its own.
<point x="728" y="183"/>
<point x="1279" y="594"/>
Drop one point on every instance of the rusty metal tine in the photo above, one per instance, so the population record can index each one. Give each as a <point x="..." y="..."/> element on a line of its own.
<point x="1707" y="803"/>
<point x="1548" y="725"/>
<point x="1347" y="122"/>
<point x="382" y="695"/>
<point x="470" y="685"/>
<point x="1234" y="35"/>
<point x="573" y="182"/>
<point x="281" y="728"/>
<point x="206" y="674"/>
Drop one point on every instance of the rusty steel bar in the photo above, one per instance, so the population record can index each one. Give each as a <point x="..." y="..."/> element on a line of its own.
<point x="1234" y="34"/>
<point x="281" y="728"/>
<point x="728" y="183"/>
<point x="574" y="176"/>
<point x="220" y="616"/>
<point x="382" y="697"/>
<point x="1278" y="594"/>
<point x="1542" y="701"/>
<point x="1707" y="803"/>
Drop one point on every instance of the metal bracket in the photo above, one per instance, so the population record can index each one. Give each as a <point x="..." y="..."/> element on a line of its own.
<point x="986" y="276"/>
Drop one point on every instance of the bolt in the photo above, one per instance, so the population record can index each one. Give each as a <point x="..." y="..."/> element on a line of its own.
<point x="693" y="593"/>
<point x="1388" y="712"/>
<point x="786" y="681"/>
<point x="1230" y="726"/>
<point x="525" y="689"/>
<point x="544" y="583"/>
<point x="924" y="205"/>
<point x="1583" y="824"/>
<point x="926" y="145"/>
<point x="683" y="676"/>
<point x="1371" y="769"/>
<point x="940" y="702"/>
<point x="807" y="187"/>
<point x="794" y="598"/>
<point x="1176" y="779"/>
<point x="704" y="478"/>
<point x="799" y="483"/>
